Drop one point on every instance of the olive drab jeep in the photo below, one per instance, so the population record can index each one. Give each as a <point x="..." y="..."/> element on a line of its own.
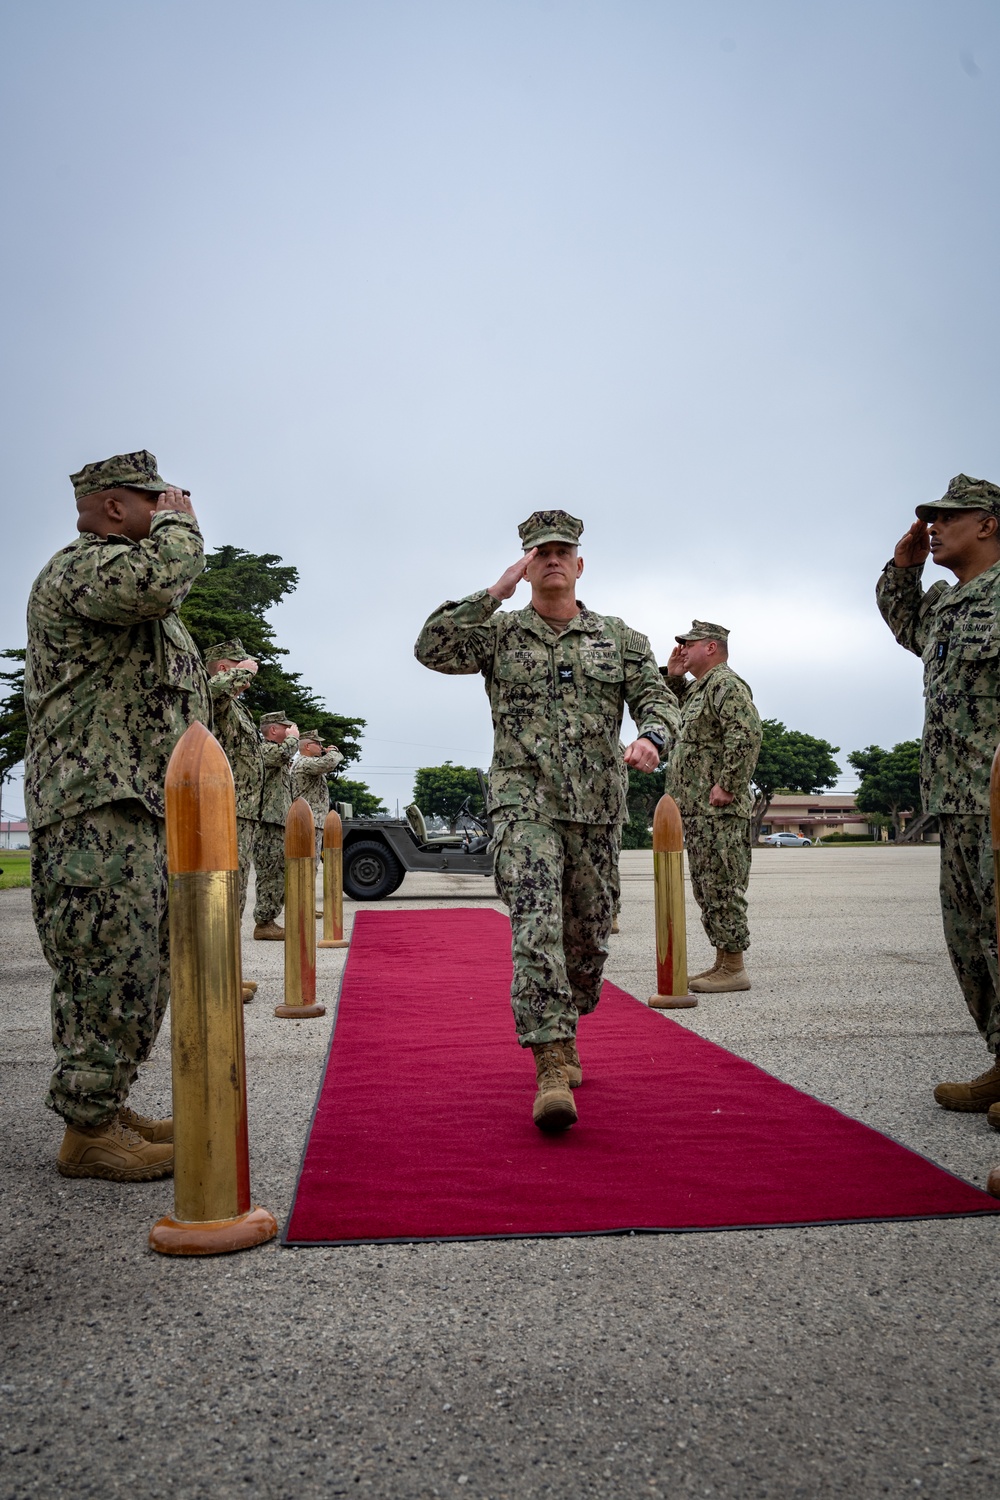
<point x="379" y="852"/>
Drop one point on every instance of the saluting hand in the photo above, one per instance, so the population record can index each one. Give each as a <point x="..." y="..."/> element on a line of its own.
<point x="508" y="582"/>
<point x="914" y="548"/>
<point x="675" y="662"/>
<point x="174" y="499"/>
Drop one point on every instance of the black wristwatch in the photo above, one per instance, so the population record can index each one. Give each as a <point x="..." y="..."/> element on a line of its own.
<point x="655" y="738"/>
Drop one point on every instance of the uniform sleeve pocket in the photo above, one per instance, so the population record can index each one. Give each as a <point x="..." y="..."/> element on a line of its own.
<point x="85" y="867"/>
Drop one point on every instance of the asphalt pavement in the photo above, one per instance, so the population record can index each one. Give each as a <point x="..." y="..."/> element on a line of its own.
<point x="846" y="1360"/>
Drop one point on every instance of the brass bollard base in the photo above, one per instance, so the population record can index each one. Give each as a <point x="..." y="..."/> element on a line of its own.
<point x="299" y="1012"/>
<point x="333" y="942"/>
<point x="214" y="1236"/>
<point x="673" y="1002"/>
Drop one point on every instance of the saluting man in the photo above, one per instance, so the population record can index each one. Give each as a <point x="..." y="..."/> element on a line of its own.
<point x="281" y="742"/>
<point x="708" y="776"/>
<point x="231" y="673"/>
<point x="558" y="678"/>
<point x="955" y="629"/>
<point x="309" y="773"/>
<point x="112" y="680"/>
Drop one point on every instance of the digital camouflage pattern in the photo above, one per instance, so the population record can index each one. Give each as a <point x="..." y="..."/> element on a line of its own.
<point x="557" y="879"/>
<point x="309" y="775"/>
<point x="955" y="629"/>
<point x="964" y="493"/>
<point x="969" y="918"/>
<point x="557" y="700"/>
<point x="269" y="863"/>
<point x="99" y="896"/>
<point x="239" y="736"/>
<point x="718" y="743"/>
<point x="135" y="470"/>
<point x="718" y="851"/>
<point x="276" y="797"/>
<point x="246" y="832"/>
<point x="112" y="677"/>
<point x="233" y="651"/>
<point x="549" y="526"/>
<point x="704" y="630"/>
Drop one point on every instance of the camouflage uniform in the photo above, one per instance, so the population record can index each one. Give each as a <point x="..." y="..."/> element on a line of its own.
<point x="269" y="840"/>
<point x="309" y="775"/>
<point x="240" y="738"/>
<point x="955" y="629"/>
<point x="556" y="783"/>
<point x="718" y="744"/>
<point x="112" y="679"/>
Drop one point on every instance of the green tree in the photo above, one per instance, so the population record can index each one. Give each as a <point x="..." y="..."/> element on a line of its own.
<point x="13" y="720"/>
<point x="362" y="799"/>
<point x="439" y="791"/>
<point x="231" y="599"/>
<point x="890" y="780"/>
<point x="790" y="761"/>
<point x="645" y="788"/>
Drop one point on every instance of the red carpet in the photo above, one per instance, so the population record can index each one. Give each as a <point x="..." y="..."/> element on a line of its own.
<point x="423" y="1125"/>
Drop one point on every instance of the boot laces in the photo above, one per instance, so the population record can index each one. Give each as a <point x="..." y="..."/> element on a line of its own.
<point x="550" y="1067"/>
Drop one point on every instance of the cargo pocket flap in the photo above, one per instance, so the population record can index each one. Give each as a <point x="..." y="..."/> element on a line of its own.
<point x="86" y="867"/>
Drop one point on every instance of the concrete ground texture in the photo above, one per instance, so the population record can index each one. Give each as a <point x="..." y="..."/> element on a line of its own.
<point x="826" y="1361"/>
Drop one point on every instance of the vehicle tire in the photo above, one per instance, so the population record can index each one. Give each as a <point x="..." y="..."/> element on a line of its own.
<point x="371" y="871"/>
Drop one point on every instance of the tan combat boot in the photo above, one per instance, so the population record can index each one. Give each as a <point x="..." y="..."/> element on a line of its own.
<point x="614" y="923"/>
<point x="993" y="1116"/>
<point x="269" y="932"/>
<point x="249" y="990"/>
<point x="993" y="1182"/>
<point x="719" y="954"/>
<point x="574" y="1072"/>
<point x="150" y="1130"/>
<point x="730" y="975"/>
<point x="553" y="1109"/>
<point x="113" y="1151"/>
<point x="972" y="1098"/>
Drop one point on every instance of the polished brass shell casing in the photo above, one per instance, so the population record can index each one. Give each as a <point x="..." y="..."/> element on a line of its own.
<point x="333" y="896"/>
<point x="211" y="1153"/>
<point x="668" y="898"/>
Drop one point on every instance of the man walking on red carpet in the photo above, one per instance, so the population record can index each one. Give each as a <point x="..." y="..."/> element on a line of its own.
<point x="558" y="678"/>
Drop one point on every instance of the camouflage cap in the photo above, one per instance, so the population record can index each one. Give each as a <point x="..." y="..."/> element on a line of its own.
<point x="275" y="718"/>
<point x="226" y="651"/>
<point x="310" y="737"/>
<point x="136" y="470"/>
<point x="964" y="493"/>
<point x="549" y="526"/>
<point x="704" y="630"/>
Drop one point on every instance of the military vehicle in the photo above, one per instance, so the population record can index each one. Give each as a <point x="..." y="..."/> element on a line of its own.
<point x="378" y="852"/>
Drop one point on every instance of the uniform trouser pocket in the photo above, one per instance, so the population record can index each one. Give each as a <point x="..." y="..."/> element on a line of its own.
<point x="106" y="943"/>
<point x="557" y="880"/>
<point x="718" y="851"/>
<point x="969" y="917"/>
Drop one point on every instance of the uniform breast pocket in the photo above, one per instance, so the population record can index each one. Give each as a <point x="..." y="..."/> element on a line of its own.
<point x="602" y="668"/>
<point x="602" y="684"/>
<point x="521" y="679"/>
<point x="974" y="667"/>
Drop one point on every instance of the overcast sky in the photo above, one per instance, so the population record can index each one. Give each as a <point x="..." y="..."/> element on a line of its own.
<point x="377" y="279"/>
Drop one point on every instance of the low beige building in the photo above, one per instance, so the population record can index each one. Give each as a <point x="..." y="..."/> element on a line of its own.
<point x="815" y="817"/>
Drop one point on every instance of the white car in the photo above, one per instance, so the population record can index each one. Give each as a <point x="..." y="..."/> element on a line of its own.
<point x="786" y="841"/>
